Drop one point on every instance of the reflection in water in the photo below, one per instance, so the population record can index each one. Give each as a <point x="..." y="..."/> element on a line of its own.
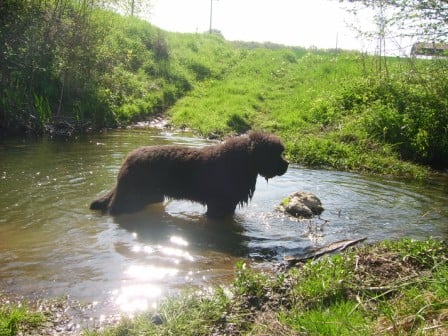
<point x="135" y="298"/>
<point x="168" y="249"/>
<point x="143" y="284"/>
<point x="156" y="225"/>
<point x="52" y="244"/>
<point x="142" y="289"/>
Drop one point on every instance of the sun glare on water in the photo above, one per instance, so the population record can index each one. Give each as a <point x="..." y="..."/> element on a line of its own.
<point x="143" y="283"/>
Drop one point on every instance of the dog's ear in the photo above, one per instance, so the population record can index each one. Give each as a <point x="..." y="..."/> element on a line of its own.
<point x="265" y="141"/>
<point x="256" y="135"/>
<point x="257" y="138"/>
<point x="253" y="141"/>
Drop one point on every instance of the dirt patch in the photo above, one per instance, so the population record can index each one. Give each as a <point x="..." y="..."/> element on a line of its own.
<point x="381" y="267"/>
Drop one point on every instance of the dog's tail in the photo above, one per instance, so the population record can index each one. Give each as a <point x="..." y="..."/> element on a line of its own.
<point x="103" y="202"/>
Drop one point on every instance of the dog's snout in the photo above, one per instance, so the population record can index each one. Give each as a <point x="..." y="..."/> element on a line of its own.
<point x="283" y="166"/>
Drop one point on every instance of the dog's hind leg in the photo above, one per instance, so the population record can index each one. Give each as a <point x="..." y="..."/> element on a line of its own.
<point x="128" y="198"/>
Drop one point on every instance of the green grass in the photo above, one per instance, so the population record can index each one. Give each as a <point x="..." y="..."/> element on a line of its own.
<point x="398" y="288"/>
<point x="193" y="313"/>
<point x="15" y="318"/>
<point x="341" y="319"/>
<point x="332" y="109"/>
<point x="329" y="110"/>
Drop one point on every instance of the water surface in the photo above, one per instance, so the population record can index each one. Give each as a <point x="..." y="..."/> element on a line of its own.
<point x="51" y="244"/>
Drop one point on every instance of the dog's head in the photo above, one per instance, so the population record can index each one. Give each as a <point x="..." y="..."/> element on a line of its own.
<point x="267" y="151"/>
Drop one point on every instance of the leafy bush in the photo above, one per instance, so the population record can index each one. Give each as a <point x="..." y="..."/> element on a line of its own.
<point x="411" y="118"/>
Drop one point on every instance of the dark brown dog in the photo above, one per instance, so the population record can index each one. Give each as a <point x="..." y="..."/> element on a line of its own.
<point x="220" y="176"/>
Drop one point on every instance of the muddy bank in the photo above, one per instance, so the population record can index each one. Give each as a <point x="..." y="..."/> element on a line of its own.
<point x="56" y="316"/>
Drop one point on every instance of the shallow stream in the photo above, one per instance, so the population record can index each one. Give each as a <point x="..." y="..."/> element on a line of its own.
<point x="51" y="244"/>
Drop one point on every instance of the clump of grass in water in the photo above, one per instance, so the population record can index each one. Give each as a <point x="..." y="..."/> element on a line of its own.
<point x="15" y="318"/>
<point x="43" y="110"/>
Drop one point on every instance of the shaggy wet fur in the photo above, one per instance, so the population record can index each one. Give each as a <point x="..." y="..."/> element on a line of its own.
<point x="220" y="176"/>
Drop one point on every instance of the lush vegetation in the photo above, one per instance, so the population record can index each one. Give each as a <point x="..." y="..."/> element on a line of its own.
<point x="331" y="108"/>
<point x="91" y="67"/>
<point x="397" y="288"/>
<point x="84" y="66"/>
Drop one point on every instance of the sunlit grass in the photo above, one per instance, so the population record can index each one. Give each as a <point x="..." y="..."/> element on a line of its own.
<point x="333" y="109"/>
<point x="398" y="288"/>
<point x="341" y="318"/>
<point x="308" y="98"/>
<point x="192" y="313"/>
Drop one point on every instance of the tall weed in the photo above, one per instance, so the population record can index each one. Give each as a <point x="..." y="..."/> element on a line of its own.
<point x="43" y="110"/>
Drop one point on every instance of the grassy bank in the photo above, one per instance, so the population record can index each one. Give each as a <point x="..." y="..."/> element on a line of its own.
<point x="78" y="66"/>
<point x="397" y="288"/>
<point x="75" y="63"/>
<point x="330" y="108"/>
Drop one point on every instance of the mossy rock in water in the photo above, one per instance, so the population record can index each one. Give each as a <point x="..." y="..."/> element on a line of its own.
<point x="302" y="204"/>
